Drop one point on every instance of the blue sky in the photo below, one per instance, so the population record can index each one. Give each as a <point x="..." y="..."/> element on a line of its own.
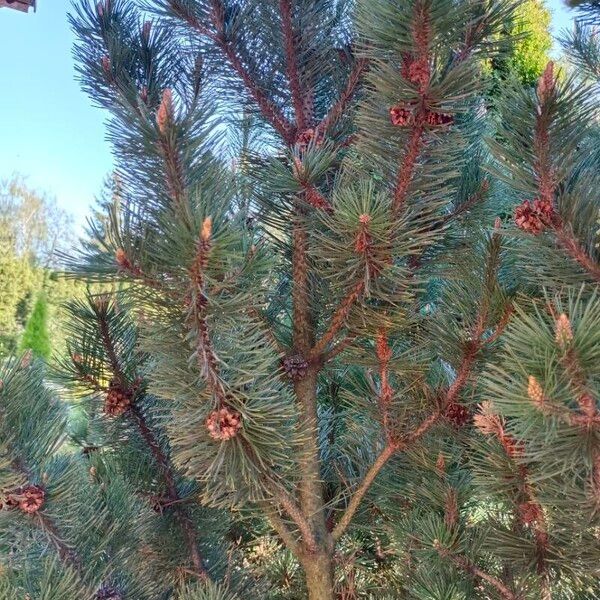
<point x="49" y="131"/>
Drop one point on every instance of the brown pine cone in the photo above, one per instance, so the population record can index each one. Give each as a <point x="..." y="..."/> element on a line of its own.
<point x="223" y="424"/>
<point x="457" y="414"/>
<point x="295" y="366"/>
<point x="109" y="592"/>
<point x="118" y="400"/>
<point x="28" y="499"/>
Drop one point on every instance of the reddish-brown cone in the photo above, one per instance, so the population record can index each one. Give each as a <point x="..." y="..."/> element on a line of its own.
<point x="109" y="592"/>
<point x="307" y="136"/>
<point x="223" y="424"/>
<point x="545" y="210"/>
<point x="416" y="71"/>
<point x="401" y="116"/>
<point x="527" y="219"/>
<point x="118" y="400"/>
<point x="437" y="119"/>
<point x="295" y="366"/>
<point x="28" y="499"/>
<point x="534" y="217"/>
<point x="457" y="414"/>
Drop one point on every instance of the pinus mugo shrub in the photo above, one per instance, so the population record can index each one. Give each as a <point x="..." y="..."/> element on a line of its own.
<point x="353" y="344"/>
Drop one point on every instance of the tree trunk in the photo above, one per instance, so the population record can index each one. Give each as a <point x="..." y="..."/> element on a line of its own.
<point x="316" y="561"/>
<point x="318" y="571"/>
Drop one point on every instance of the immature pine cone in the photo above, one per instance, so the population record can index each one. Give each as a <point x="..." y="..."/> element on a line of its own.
<point x="457" y="414"/>
<point x="564" y="331"/>
<point x="109" y="592"/>
<point x="223" y="424"/>
<point x="400" y="116"/>
<point x="28" y="499"/>
<point x="534" y="218"/>
<point x="118" y="400"/>
<point x="418" y="73"/>
<point x="436" y="119"/>
<point x="295" y="366"/>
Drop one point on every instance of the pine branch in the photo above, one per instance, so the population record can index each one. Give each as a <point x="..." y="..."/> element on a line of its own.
<point x="339" y="348"/>
<point x="270" y="111"/>
<point x="530" y="511"/>
<point x="361" y="491"/>
<point x="160" y="457"/>
<point x="282" y="529"/>
<point x="207" y="360"/>
<point x="547" y="94"/>
<point x="292" y="509"/>
<point x="99" y="306"/>
<point x="472" y="569"/>
<point x="302" y="318"/>
<point x="340" y="106"/>
<point x="407" y="167"/>
<point x="338" y="320"/>
<point x="291" y="55"/>
<point x="65" y="553"/>
<point x="384" y="456"/>
<point x="571" y="245"/>
<point x="473" y="200"/>
<point x="165" y="469"/>
<point x="421" y="31"/>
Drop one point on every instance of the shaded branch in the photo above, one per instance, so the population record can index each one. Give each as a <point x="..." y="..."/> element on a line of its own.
<point x="291" y="55"/>
<point x="338" y="320"/>
<point x="472" y="569"/>
<point x="384" y="456"/>
<point x="166" y="471"/>
<point x="339" y="107"/>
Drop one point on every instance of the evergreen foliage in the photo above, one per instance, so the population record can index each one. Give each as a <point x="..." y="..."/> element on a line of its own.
<point x="359" y="362"/>
<point x="36" y="337"/>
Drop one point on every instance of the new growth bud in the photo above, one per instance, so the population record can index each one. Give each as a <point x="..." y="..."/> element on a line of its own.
<point x="164" y="114"/>
<point x="206" y="231"/>
<point x="546" y="83"/>
<point x="564" y="332"/>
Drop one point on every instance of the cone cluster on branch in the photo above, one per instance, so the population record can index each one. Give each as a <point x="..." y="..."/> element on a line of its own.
<point x="118" y="399"/>
<point x="223" y="424"/>
<point x="29" y="499"/>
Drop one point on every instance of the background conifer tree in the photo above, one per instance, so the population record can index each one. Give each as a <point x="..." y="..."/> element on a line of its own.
<point x="36" y="337"/>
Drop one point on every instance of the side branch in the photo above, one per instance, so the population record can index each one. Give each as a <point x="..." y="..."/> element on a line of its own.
<point x="340" y="106"/>
<point x="574" y="249"/>
<point x="291" y="55"/>
<point x="338" y="320"/>
<point x="472" y="569"/>
<point x="389" y="450"/>
<point x="270" y="111"/>
<point x="164" y="466"/>
<point x="407" y="168"/>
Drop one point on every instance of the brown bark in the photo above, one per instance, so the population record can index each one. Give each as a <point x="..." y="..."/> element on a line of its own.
<point x="318" y="570"/>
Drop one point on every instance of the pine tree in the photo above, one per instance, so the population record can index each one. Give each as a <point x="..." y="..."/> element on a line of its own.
<point x="358" y="362"/>
<point x="35" y="337"/>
